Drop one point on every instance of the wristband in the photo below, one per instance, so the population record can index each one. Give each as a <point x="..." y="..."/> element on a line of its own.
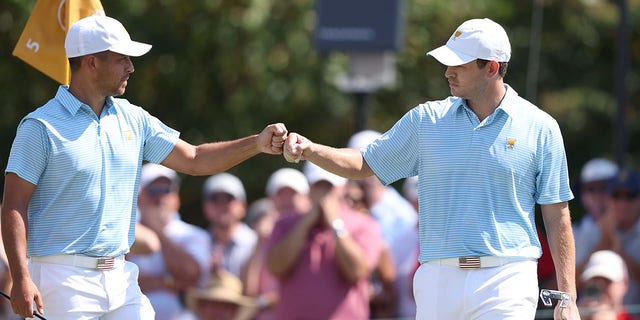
<point x="338" y="228"/>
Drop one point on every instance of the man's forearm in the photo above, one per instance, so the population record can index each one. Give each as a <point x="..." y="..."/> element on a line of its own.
<point x="15" y="242"/>
<point x="180" y="263"/>
<point x="344" y="162"/>
<point x="211" y="158"/>
<point x="564" y="261"/>
<point x="282" y="256"/>
<point x="562" y="247"/>
<point x="351" y="259"/>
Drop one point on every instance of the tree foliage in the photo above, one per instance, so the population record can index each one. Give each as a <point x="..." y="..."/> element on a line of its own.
<point x="224" y="69"/>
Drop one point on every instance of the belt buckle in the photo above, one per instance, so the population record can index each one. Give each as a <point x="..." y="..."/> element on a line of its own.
<point x="105" y="263"/>
<point x="469" y="263"/>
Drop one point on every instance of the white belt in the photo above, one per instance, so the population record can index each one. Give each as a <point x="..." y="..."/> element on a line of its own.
<point x="98" y="263"/>
<point x="475" y="262"/>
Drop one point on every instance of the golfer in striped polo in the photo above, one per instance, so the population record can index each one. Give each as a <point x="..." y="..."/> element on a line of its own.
<point x="72" y="178"/>
<point x="485" y="157"/>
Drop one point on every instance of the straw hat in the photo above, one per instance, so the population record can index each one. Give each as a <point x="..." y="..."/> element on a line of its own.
<point x="224" y="287"/>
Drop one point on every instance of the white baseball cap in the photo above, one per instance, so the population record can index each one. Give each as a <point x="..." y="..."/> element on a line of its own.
<point x="315" y="174"/>
<point x="410" y="188"/>
<point x="99" y="33"/>
<point x="224" y="182"/>
<point x="287" y="177"/>
<point x="152" y="171"/>
<point x="598" y="169"/>
<point x="362" y="139"/>
<point x="474" y="39"/>
<point x="606" y="264"/>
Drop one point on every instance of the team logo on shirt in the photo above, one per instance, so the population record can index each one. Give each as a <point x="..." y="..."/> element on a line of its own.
<point x="457" y="34"/>
<point x="128" y="134"/>
<point x="510" y="143"/>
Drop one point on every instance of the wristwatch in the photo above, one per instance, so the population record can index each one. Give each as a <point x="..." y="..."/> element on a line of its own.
<point x="338" y="228"/>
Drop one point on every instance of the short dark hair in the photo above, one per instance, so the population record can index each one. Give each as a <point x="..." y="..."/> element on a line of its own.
<point x="75" y="62"/>
<point x="502" y="71"/>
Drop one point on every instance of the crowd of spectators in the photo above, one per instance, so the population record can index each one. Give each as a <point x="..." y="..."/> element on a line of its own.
<point x="320" y="246"/>
<point x="607" y="239"/>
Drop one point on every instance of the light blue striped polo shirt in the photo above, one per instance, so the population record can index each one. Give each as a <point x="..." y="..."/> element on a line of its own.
<point x="86" y="171"/>
<point x="478" y="181"/>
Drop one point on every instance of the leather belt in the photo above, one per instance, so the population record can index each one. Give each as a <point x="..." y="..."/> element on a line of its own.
<point x="97" y="263"/>
<point x="470" y="263"/>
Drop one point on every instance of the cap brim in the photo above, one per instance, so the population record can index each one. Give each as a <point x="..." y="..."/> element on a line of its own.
<point x="600" y="272"/>
<point x="449" y="57"/>
<point x="132" y="49"/>
<point x="220" y="295"/>
<point x="273" y="189"/>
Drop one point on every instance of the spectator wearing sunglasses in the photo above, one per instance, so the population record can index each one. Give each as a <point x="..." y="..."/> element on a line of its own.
<point x="224" y="207"/>
<point x="619" y="228"/>
<point x="592" y="192"/>
<point x="181" y="261"/>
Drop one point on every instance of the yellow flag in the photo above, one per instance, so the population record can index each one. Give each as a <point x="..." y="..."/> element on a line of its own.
<point x="42" y="41"/>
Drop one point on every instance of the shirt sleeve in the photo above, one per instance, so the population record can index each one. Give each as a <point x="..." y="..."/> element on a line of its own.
<point x="160" y="139"/>
<point x="553" y="179"/>
<point x="395" y="154"/>
<point x="29" y="152"/>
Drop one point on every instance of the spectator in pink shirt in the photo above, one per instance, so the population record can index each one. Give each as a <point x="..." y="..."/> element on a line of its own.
<point x="258" y="282"/>
<point x="325" y="257"/>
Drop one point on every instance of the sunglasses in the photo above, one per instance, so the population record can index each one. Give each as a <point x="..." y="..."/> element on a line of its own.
<point x="158" y="190"/>
<point x="595" y="189"/>
<point x="220" y="197"/>
<point x="624" y="195"/>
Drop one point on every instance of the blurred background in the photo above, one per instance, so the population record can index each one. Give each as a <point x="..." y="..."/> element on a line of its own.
<point x="223" y="69"/>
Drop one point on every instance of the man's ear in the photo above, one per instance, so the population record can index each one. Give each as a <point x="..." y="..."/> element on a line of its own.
<point x="90" y="61"/>
<point x="494" y="68"/>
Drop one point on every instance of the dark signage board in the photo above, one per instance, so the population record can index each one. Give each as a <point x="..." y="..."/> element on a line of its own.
<point x="359" y="25"/>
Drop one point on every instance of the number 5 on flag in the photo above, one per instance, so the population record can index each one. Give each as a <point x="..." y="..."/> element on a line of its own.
<point x="41" y="44"/>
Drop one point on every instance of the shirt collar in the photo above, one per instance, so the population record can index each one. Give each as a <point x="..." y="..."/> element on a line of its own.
<point x="506" y="105"/>
<point x="72" y="104"/>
